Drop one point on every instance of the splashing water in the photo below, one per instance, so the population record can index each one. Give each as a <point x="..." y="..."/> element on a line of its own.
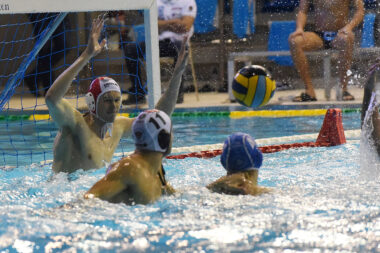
<point x="369" y="162"/>
<point x="319" y="202"/>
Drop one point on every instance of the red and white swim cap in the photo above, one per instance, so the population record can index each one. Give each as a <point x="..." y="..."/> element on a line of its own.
<point x="98" y="87"/>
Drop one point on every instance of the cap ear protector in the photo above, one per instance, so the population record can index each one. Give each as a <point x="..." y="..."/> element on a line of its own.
<point x="98" y="88"/>
<point x="163" y="139"/>
<point x="90" y="101"/>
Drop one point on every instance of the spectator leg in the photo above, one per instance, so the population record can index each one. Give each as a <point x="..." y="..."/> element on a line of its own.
<point x="309" y="41"/>
<point x="345" y="45"/>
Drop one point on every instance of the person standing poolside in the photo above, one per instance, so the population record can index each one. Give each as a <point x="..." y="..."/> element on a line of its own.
<point x="242" y="159"/>
<point x="139" y="178"/>
<point x="333" y="29"/>
<point x="88" y="141"/>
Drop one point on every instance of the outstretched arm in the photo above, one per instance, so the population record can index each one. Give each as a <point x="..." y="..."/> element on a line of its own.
<point x="60" y="110"/>
<point x="168" y="100"/>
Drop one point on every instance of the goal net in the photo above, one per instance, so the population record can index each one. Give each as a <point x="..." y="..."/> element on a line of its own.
<point x="35" y="47"/>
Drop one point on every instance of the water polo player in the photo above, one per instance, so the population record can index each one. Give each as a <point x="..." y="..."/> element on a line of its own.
<point x="139" y="178"/>
<point x="242" y="159"/>
<point x="88" y="141"/>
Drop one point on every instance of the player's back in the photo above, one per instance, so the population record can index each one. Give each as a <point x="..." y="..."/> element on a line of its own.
<point x="141" y="186"/>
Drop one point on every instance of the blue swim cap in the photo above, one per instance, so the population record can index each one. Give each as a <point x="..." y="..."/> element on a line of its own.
<point x="240" y="153"/>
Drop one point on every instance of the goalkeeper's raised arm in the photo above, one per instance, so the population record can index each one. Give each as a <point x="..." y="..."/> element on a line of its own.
<point x="88" y="141"/>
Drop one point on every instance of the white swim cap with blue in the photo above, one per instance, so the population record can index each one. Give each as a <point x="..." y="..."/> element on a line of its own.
<point x="240" y="153"/>
<point x="151" y="131"/>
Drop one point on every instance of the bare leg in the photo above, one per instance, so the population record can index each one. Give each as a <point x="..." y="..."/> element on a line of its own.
<point x="308" y="41"/>
<point x="344" y="43"/>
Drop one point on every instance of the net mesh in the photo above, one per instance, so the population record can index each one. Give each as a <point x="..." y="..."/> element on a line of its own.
<point x="34" y="49"/>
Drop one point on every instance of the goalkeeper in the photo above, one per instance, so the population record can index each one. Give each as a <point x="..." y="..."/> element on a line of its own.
<point x="88" y="141"/>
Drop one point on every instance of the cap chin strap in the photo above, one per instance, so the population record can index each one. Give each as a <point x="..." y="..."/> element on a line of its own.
<point x="107" y="127"/>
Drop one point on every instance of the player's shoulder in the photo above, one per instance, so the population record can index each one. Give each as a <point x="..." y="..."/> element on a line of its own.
<point x="122" y="119"/>
<point x="135" y="168"/>
<point x="123" y="124"/>
<point x="125" y="167"/>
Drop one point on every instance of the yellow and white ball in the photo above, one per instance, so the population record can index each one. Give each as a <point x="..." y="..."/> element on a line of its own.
<point x="253" y="86"/>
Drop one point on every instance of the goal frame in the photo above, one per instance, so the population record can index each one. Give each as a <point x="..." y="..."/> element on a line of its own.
<point x="150" y="23"/>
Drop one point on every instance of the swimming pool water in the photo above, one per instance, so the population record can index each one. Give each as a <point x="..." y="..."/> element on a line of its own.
<point x="322" y="200"/>
<point x="26" y="142"/>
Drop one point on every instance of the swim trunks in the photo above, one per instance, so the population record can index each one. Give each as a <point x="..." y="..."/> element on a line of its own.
<point x="327" y="38"/>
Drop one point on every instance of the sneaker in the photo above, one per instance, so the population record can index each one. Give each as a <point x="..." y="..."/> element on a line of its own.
<point x="133" y="100"/>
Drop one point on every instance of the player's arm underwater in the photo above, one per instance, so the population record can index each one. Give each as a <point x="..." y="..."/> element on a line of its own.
<point x="370" y="105"/>
<point x="59" y="108"/>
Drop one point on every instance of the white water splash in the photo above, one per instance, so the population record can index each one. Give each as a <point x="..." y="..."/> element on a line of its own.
<point x="369" y="162"/>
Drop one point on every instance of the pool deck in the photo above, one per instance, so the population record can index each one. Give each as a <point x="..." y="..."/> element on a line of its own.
<point x="211" y="99"/>
<point x="206" y="100"/>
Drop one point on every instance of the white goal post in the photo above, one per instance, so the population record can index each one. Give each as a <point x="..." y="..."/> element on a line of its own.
<point x="150" y="22"/>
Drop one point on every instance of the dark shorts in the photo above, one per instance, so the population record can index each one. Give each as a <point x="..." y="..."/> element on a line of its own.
<point x="327" y="38"/>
